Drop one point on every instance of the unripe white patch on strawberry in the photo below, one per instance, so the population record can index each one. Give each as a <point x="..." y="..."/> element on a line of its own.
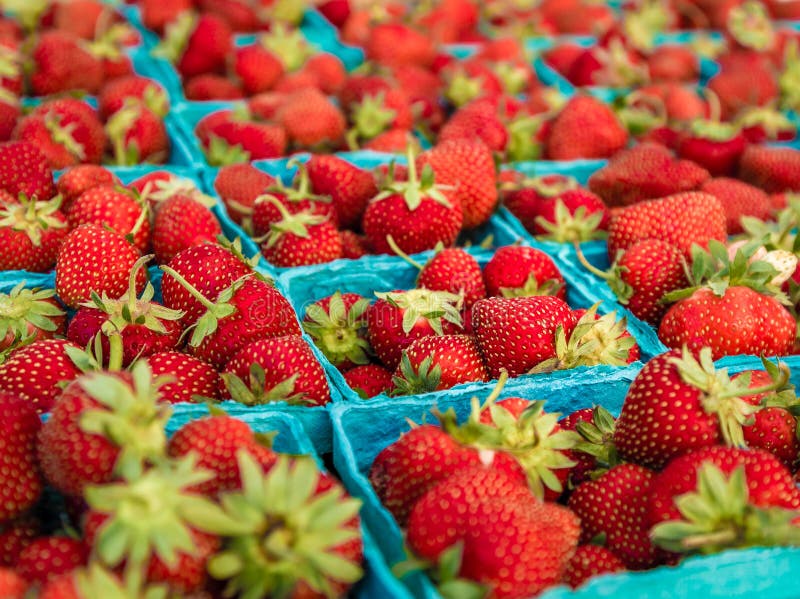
<point x="759" y="254"/>
<point x="784" y="262"/>
<point x="486" y="456"/>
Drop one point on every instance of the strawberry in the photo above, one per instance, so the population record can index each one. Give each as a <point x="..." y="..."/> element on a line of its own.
<point x="328" y="71"/>
<point x="368" y="380"/>
<point x="404" y="471"/>
<point x="585" y="128"/>
<point x="156" y="187"/>
<point x="415" y="213"/>
<point x="672" y="62"/>
<point x="717" y="147"/>
<point x="738" y="199"/>
<point x="516" y="334"/>
<point x="310" y="119"/>
<point x="615" y="505"/>
<point x="400" y="317"/>
<point x="116" y="94"/>
<point x="191" y="378"/>
<point x="233" y="141"/>
<point x="31" y="233"/>
<point x="522" y="271"/>
<point x="62" y="65"/>
<point x="137" y="135"/>
<point x="215" y="441"/>
<point x="439" y="362"/>
<point x="349" y="187"/>
<point x="590" y="561"/>
<point x="24" y="169"/>
<point x="10" y="113"/>
<point x="337" y="325"/>
<point x="180" y="223"/>
<point x="675" y="386"/>
<point x="137" y="325"/>
<point x="594" y="453"/>
<point x="268" y="208"/>
<point x="469" y="168"/>
<point x="257" y="68"/>
<point x="399" y="44"/>
<point x="157" y="14"/>
<point x="209" y="87"/>
<point x="20" y="484"/>
<point x="15" y="535"/>
<point x="113" y="208"/>
<point x="455" y="271"/>
<point x="50" y="362"/>
<point x="277" y="369"/>
<point x="76" y="180"/>
<point x="681" y="220"/>
<point x="772" y="169"/>
<point x="197" y="44"/>
<point x="47" y="558"/>
<point x="28" y="315"/>
<point x="239" y="185"/>
<point x="479" y="121"/>
<point x="12" y="585"/>
<point x="92" y="434"/>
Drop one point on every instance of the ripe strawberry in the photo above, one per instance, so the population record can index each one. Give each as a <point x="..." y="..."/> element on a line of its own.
<point x="17" y="534"/>
<point x="49" y="360"/>
<point x="682" y="220"/>
<point x="268" y="209"/>
<point x="590" y="561"/>
<point x="20" y="483"/>
<point x="277" y="369"/>
<point x="208" y="87"/>
<point x="10" y="113"/>
<point x="76" y="120"/>
<point x="47" y="558"/>
<point x="157" y="14"/>
<point x="137" y="134"/>
<point x="300" y="238"/>
<point x="24" y="170"/>
<point x="180" y="223"/>
<point x="73" y="455"/>
<point x="233" y="141"/>
<point x="399" y="44"/>
<point x="191" y="378"/>
<point x="522" y="271"/>
<point x="311" y="119"/>
<point x="115" y="95"/>
<point x="414" y="213"/>
<point x="337" y="325"/>
<point x="156" y="187"/>
<point x="113" y="208"/>
<point x="62" y="65"/>
<point x="672" y="62"/>
<point x="404" y="471"/>
<point x="368" y="380"/>
<point x="215" y="441"/>
<point x="616" y="505"/>
<point x="76" y="180"/>
<point x="772" y="169"/>
<point x="349" y="187"/>
<point x="439" y="362"/>
<point x="31" y="233"/>
<point x="516" y="334"/>
<point x="354" y="246"/>
<point x="479" y="121"/>
<point x="585" y="128"/>
<point x="717" y="147"/>
<point x="454" y="271"/>
<point x="328" y="71"/>
<point x="12" y="585"/>
<point x="197" y="44"/>
<point x="257" y="68"/>
<point x="738" y="199"/>
<point x="239" y="185"/>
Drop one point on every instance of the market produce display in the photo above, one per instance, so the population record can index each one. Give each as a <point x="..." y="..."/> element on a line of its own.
<point x="399" y="299"/>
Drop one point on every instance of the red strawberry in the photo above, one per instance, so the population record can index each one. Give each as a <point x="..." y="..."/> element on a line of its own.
<point x="75" y="181"/>
<point x="439" y="362"/>
<point x="137" y="135"/>
<point x="717" y="147"/>
<point x="522" y="271"/>
<point x="672" y="62"/>
<point x="369" y="380"/>
<point x="182" y="222"/>
<point x="738" y="199"/>
<point x="62" y="65"/>
<point x="349" y="187"/>
<point x="24" y="169"/>
<point x="455" y="271"/>
<point x="337" y="325"/>
<point x="72" y="455"/>
<point x="47" y="558"/>
<point x="208" y="87"/>
<point x="12" y="585"/>
<point x="585" y="128"/>
<point x="17" y="534"/>
<point x="157" y="14"/>
<point x="328" y="71"/>
<point x="399" y="44"/>
<point x="682" y="220"/>
<point x="191" y="378"/>
<point x="517" y="334"/>
<point x="198" y="44"/>
<point x="257" y="68"/>
<point x="116" y="94"/>
<point x="616" y="505"/>
<point x="590" y="561"/>
<point x="113" y="208"/>
<point x="311" y="119"/>
<point x="31" y="233"/>
<point x="49" y="361"/>
<point x="10" y="113"/>
<point x="20" y="483"/>
<point x="242" y="141"/>
<point x="774" y="170"/>
<point x="479" y="121"/>
<point x="239" y="185"/>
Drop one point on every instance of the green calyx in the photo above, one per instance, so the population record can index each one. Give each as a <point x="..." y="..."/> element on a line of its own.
<point x="569" y="227"/>
<point x="415" y="189"/>
<point x="288" y="45"/>
<point x="296" y="224"/>
<point x="289" y="533"/>
<point x="118" y="126"/>
<point x="645" y="22"/>
<point x="235" y="247"/>
<point x="424" y="379"/>
<point x="789" y="78"/>
<point x="618" y="69"/>
<point x="714" y="130"/>
<point x="641" y="113"/>
<point x="254" y="392"/>
<point x="208" y="323"/>
<point x="513" y="77"/>
<point x="751" y="26"/>
<point x="723" y="396"/>
<point x="176" y="36"/>
<point x="31" y="217"/>
<point x="718" y="515"/>
<point x="132" y="310"/>
<point x="707" y="46"/>
<point x="221" y="153"/>
<point x="23" y="308"/>
<point x="433" y="306"/>
<point x="95" y="580"/>
<point x="548" y="186"/>
<point x="26" y="12"/>
<point x="532" y="288"/>
<point x="593" y="341"/>
<point x="463" y="89"/>
<point x="10" y="63"/>
<point x="132" y="416"/>
<point x="779" y="233"/>
<point x="161" y="190"/>
<point x="522" y="131"/>
<point x="597" y="440"/>
<point x="339" y="331"/>
<point x="713" y="269"/>
<point x="614" y="276"/>
<point x="371" y="116"/>
<point x="154" y="514"/>
<point x="772" y="121"/>
<point x="532" y="439"/>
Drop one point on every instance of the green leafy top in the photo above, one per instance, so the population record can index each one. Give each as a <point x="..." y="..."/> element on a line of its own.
<point x="338" y="332"/>
<point x="642" y="24"/>
<point x="416" y="188"/>
<point x="597" y="440"/>
<point x="160" y="190"/>
<point x="371" y="116"/>
<point x="572" y="227"/>
<point x="432" y="306"/>
<point x="751" y="26"/>
<point x="222" y="153"/>
<point x="297" y="223"/>
<point x="288" y="45"/>
<point x="254" y="391"/>
<point x="95" y="580"/>
<point x="22" y="307"/>
<point x="176" y="36"/>
<point x="425" y="379"/>
<point x="32" y="216"/>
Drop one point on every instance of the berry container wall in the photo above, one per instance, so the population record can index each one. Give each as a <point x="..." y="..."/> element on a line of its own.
<point x="362" y="430"/>
<point x="292" y="439"/>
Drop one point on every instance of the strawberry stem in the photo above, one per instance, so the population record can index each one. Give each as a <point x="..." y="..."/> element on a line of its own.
<point x="396" y="249"/>
<point x="587" y="265"/>
<point x="209" y="305"/>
